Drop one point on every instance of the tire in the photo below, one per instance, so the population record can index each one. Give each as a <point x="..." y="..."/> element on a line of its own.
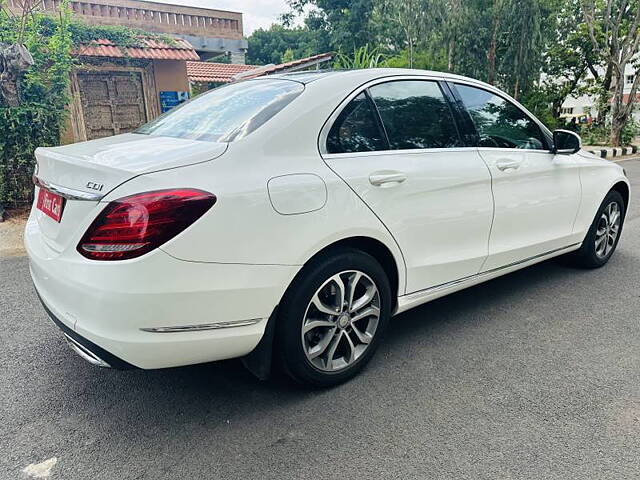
<point x="336" y="346"/>
<point x="591" y="255"/>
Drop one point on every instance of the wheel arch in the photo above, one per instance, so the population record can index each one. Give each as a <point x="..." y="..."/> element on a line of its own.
<point x="377" y="250"/>
<point x="623" y="189"/>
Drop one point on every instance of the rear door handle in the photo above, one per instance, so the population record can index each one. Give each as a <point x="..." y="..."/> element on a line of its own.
<point x="379" y="179"/>
<point x="508" y="165"/>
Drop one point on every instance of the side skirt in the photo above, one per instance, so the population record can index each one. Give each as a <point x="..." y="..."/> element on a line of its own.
<point x="406" y="302"/>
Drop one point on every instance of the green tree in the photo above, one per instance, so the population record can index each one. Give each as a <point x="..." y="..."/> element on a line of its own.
<point x="568" y="58"/>
<point x="524" y="44"/>
<point x="270" y="46"/>
<point x="347" y="23"/>
<point x="614" y="31"/>
<point x="411" y="17"/>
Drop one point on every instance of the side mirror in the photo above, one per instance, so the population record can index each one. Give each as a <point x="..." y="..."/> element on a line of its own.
<point x="566" y="142"/>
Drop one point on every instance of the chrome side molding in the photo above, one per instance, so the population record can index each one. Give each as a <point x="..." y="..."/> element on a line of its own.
<point x="202" y="327"/>
<point x="410" y="300"/>
<point x="68" y="193"/>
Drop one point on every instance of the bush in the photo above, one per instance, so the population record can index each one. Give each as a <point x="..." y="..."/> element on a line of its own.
<point x="24" y="128"/>
<point x="39" y="119"/>
<point x="41" y="116"/>
<point x="595" y="134"/>
<point x="630" y="131"/>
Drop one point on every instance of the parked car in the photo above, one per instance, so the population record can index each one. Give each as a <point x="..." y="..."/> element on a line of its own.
<point x="292" y="216"/>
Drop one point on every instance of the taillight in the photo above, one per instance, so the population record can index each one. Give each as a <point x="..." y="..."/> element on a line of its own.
<point x="132" y="226"/>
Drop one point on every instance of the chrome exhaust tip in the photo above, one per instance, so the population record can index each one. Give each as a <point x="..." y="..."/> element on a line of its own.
<point x="85" y="353"/>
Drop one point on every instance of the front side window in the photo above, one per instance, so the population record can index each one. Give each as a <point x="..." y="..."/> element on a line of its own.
<point x="415" y="114"/>
<point x="227" y="113"/>
<point x="500" y="124"/>
<point x="356" y="129"/>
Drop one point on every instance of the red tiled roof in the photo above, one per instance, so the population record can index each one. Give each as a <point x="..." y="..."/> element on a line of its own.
<point x="151" y="49"/>
<point x="226" y="73"/>
<point x="214" y="72"/>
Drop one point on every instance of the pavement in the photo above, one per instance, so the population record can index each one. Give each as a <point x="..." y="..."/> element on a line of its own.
<point x="535" y="375"/>
<point x="11" y="234"/>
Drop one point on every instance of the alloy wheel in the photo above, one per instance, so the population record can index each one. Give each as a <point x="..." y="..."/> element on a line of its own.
<point x="341" y="320"/>
<point x="607" y="230"/>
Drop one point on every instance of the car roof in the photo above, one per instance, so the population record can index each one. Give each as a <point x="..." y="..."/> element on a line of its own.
<point x="369" y="74"/>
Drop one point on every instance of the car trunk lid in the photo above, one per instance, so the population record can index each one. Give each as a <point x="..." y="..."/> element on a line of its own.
<point x="83" y="173"/>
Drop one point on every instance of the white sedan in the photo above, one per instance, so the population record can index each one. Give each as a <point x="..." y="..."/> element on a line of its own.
<point x="286" y="219"/>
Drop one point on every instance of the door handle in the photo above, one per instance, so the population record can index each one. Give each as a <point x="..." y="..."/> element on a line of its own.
<point x="379" y="179"/>
<point x="508" y="165"/>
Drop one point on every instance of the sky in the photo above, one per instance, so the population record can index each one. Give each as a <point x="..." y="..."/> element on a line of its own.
<point x="256" y="13"/>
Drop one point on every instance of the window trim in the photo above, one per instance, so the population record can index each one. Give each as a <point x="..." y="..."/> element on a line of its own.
<point x="376" y="116"/>
<point x="328" y="125"/>
<point x="547" y="136"/>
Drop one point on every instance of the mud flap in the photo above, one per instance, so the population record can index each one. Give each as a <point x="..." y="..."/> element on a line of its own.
<point x="259" y="361"/>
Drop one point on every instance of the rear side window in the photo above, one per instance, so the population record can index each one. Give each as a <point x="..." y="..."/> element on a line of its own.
<point x="415" y="114"/>
<point x="500" y="124"/>
<point x="356" y="129"/>
<point x="227" y="113"/>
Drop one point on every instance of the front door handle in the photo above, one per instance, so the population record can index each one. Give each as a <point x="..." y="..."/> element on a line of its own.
<point x="508" y="165"/>
<point x="378" y="179"/>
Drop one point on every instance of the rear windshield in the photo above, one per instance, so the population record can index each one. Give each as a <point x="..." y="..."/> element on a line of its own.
<point x="227" y="113"/>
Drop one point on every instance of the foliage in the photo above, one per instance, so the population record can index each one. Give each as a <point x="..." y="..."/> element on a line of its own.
<point x="80" y="33"/>
<point x="500" y="41"/>
<point x="595" y="134"/>
<point x="540" y="51"/>
<point x="630" y="132"/>
<point x="537" y="102"/>
<point x="269" y="46"/>
<point x="345" y="23"/>
<point x="600" y="134"/>
<point x="24" y="128"/>
<point x="362" y="57"/>
<point x="613" y="27"/>
<point x="424" y="59"/>
<point x="39" y="119"/>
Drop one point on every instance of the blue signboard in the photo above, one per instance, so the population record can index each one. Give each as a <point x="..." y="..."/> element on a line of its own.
<point x="168" y="100"/>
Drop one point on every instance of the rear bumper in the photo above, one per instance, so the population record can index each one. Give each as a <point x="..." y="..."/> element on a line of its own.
<point x="155" y="311"/>
<point x="88" y="350"/>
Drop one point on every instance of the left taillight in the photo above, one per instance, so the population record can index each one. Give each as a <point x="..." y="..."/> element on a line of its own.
<point x="132" y="226"/>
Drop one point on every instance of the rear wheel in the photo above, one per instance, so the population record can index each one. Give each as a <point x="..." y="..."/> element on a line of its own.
<point x="333" y="317"/>
<point x="604" y="233"/>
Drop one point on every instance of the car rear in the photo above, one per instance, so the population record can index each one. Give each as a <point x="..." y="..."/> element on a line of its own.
<point x="103" y="210"/>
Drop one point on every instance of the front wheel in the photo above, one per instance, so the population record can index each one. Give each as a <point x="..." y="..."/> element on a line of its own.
<point x="604" y="234"/>
<point x="333" y="317"/>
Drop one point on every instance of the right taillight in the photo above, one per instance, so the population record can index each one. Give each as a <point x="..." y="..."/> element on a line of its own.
<point x="132" y="226"/>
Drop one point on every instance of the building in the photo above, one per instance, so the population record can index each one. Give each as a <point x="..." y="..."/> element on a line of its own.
<point x="115" y="90"/>
<point x="210" y="32"/>
<point x="586" y="105"/>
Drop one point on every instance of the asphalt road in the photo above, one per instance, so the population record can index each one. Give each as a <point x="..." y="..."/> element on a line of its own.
<point x="534" y="375"/>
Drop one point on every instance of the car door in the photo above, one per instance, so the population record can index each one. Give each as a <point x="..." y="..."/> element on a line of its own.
<point x="536" y="193"/>
<point x="396" y="145"/>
